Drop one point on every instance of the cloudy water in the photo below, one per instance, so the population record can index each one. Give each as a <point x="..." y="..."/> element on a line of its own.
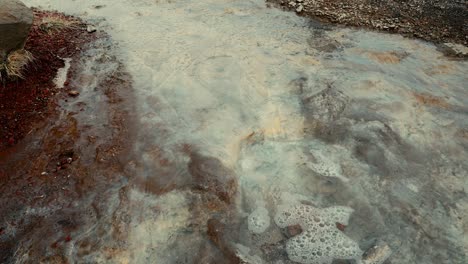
<point x="263" y="137"/>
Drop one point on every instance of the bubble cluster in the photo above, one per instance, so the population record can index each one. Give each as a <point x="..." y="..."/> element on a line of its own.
<point x="258" y="221"/>
<point x="321" y="241"/>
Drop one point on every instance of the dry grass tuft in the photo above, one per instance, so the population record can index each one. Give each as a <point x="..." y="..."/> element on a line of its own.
<point x="55" y="23"/>
<point x="15" y="63"/>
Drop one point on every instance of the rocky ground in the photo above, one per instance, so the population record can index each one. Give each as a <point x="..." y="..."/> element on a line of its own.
<point x="439" y="21"/>
<point x="60" y="146"/>
<point x="24" y="103"/>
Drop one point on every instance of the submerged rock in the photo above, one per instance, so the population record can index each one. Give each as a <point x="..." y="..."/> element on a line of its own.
<point x="222" y="239"/>
<point x="453" y="50"/>
<point x="91" y="29"/>
<point x="210" y="175"/>
<point x="15" y="22"/>
<point x="73" y="93"/>
<point x="378" y="254"/>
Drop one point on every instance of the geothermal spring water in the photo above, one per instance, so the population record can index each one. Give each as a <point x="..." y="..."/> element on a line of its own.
<point x="314" y="125"/>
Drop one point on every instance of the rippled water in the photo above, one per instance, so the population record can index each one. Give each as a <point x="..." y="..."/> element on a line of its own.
<point x="244" y="110"/>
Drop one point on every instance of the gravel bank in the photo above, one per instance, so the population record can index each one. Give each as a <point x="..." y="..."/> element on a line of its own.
<point x="439" y="21"/>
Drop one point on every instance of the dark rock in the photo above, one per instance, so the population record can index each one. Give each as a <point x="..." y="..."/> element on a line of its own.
<point x="15" y="22"/>
<point x="274" y="253"/>
<point x="210" y="254"/>
<point x="219" y="235"/>
<point x="323" y="43"/>
<point x="453" y="50"/>
<point x="73" y="93"/>
<point x="378" y="254"/>
<point x="293" y="230"/>
<point x="210" y="175"/>
<point x="323" y="109"/>
<point x="325" y="106"/>
<point x="91" y="29"/>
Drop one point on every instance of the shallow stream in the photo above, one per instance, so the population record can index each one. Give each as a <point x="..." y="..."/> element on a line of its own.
<point x="247" y="115"/>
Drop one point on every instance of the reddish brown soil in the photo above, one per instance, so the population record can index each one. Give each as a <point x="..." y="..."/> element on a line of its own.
<point x="24" y="103"/>
<point x="73" y="160"/>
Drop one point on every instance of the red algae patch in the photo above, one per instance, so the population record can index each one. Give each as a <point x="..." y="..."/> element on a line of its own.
<point x="24" y="103"/>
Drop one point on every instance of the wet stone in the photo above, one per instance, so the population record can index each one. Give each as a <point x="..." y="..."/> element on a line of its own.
<point x="378" y="254"/>
<point x="218" y="233"/>
<point x="209" y="253"/>
<point x="274" y="252"/>
<point x="73" y="93"/>
<point x="323" y="111"/>
<point x="210" y="175"/>
<point x="325" y="106"/>
<point x="293" y="230"/>
<point x="91" y="29"/>
<point x="323" y="43"/>
<point x="453" y="50"/>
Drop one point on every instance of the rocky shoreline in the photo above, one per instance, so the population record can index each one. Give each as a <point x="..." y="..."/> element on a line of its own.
<point x="26" y="102"/>
<point x="62" y="137"/>
<point x="439" y="21"/>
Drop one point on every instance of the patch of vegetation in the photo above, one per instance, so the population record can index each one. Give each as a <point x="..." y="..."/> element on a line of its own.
<point x="55" y="23"/>
<point x="14" y="65"/>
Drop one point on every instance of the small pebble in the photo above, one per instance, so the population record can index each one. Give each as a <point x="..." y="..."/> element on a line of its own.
<point x="73" y="93"/>
<point x="91" y="29"/>
<point x="293" y="230"/>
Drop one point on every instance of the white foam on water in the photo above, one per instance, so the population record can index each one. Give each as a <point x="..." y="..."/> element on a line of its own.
<point x="320" y="241"/>
<point x="62" y="73"/>
<point x="259" y="220"/>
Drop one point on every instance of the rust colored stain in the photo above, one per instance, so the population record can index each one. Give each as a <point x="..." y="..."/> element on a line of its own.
<point x="66" y="159"/>
<point x="430" y="100"/>
<point x="440" y="69"/>
<point x="340" y="226"/>
<point x="25" y="103"/>
<point x="386" y="57"/>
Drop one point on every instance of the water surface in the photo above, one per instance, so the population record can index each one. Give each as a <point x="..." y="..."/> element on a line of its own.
<point x="244" y="111"/>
